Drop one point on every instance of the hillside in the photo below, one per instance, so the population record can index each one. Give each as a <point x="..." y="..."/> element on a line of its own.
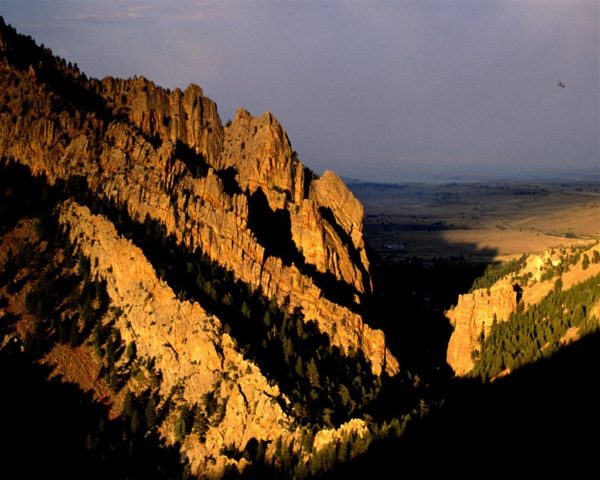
<point x="213" y="188"/>
<point x="523" y="310"/>
<point x="200" y="283"/>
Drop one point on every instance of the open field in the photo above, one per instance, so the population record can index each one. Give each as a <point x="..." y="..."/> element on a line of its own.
<point x="481" y="221"/>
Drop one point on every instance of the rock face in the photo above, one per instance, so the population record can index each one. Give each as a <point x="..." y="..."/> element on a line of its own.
<point x="475" y="312"/>
<point x="260" y="152"/>
<point x="188" y="346"/>
<point x="473" y="317"/>
<point x="164" y="155"/>
<point x="187" y="117"/>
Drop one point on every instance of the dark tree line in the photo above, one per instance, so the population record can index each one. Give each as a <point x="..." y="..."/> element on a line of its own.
<point x="495" y="271"/>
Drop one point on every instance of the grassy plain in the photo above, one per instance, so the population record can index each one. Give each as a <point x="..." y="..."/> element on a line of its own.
<point x="478" y="221"/>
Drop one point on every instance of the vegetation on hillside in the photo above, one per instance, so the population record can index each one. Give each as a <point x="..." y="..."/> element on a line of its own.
<point x="68" y="305"/>
<point x="536" y="333"/>
<point x="495" y="271"/>
<point x="566" y="259"/>
<point x="65" y="304"/>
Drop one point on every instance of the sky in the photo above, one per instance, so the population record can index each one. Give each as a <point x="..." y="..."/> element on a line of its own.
<point x="388" y="91"/>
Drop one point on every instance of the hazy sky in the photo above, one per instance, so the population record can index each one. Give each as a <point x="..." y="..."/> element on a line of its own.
<point x="387" y="91"/>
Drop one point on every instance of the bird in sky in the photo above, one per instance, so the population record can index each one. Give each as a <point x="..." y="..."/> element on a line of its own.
<point x="561" y="84"/>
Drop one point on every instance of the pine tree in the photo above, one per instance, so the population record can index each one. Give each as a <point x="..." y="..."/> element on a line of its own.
<point x="558" y="285"/>
<point x="131" y="351"/>
<point x="245" y="311"/>
<point x="578" y="314"/>
<point x="129" y="404"/>
<point x="585" y="263"/>
<point x="150" y="412"/>
<point x="180" y="426"/>
<point x="312" y="373"/>
<point x="136" y="421"/>
<point x="298" y="368"/>
<point x="267" y="321"/>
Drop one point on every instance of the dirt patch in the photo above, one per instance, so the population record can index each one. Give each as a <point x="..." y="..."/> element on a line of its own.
<point x="79" y="365"/>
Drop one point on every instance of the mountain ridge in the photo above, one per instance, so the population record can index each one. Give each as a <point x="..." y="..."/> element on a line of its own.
<point x="221" y="281"/>
<point x="136" y="163"/>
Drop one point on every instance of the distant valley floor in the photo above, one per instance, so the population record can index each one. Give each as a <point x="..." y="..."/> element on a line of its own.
<point x="478" y="222"/>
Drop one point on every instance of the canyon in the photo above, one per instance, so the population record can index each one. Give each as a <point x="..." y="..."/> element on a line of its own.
<point x="183" y="298"/>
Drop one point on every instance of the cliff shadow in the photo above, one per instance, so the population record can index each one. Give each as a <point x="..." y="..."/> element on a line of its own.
<point x="273" y="230"/>
<point x="410" y="297"/>
<point x="543" y="418"/>
<point x="53" y="429"/>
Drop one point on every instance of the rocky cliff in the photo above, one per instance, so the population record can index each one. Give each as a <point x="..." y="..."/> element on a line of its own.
<point x="170" y="350"/>
<point x="188" y="347"/>
<point x="236" y="193"/>
<point x="475" y="312"/>
<point x="197" y="280"/>
<point x="472" y="319"/>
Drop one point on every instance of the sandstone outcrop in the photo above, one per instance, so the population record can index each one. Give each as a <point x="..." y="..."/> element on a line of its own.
<point x="472" y="318"/>
<point x="188" y="349"/>
<point x="475" y="312"/>
<point x="328" y="436"/>
<point x="188" y="345"/>
<point x="164" y="155"/>
<point x="178" y="116"/>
